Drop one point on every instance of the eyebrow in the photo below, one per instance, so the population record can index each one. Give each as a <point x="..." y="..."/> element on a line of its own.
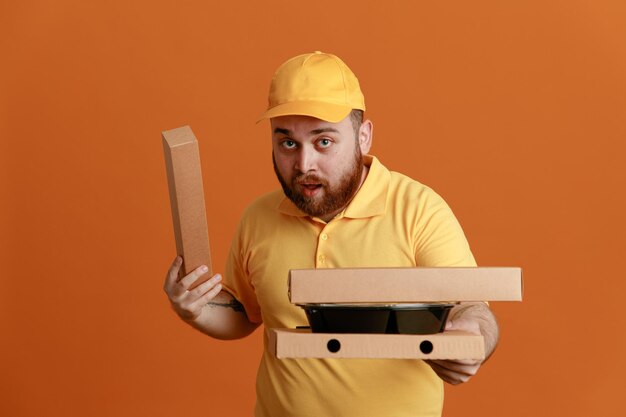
<point x="323" y="130"/>
<point x="283" y="131"/>
<point x="312" y="132"/>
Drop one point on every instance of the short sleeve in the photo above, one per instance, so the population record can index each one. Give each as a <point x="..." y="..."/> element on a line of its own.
<point x="438" y="236"/>
<point x="236" y="278"/>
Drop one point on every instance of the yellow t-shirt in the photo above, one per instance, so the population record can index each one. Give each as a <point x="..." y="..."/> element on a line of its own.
<point x="393" y="221"/>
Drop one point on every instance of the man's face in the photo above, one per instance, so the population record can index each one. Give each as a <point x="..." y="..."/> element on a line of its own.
<point x="319" y="164"/>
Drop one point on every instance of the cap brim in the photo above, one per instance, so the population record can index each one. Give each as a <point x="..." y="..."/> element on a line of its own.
<point x="332" y="113"/>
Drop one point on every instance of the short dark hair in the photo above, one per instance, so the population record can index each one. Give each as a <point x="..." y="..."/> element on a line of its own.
<point x="356" y="117"/>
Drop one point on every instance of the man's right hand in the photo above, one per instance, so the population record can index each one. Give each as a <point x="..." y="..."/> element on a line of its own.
<point x="188" y="304"/>
<point x="206" y="308"/>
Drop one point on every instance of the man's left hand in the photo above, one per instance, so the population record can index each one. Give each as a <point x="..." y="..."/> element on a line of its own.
<point x="458" y="371"/>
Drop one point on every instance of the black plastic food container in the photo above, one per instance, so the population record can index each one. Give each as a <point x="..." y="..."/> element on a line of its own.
<point x="377" y="318"/>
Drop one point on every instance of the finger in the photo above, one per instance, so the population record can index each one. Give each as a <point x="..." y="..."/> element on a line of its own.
<point x="463" y="324"/>
<point x="462" y="362"/>
<point x="207" y="297"/>
<point x="190" y="278"/>
<point x="172" y="273"/>
<point x="460" y="369"/>
<point x="452" y="374"/>
<point x="447" y="375"/>
<point x="203" y="288"/>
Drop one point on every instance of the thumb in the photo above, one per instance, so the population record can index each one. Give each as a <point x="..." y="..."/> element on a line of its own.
<point x="464" y="324"/>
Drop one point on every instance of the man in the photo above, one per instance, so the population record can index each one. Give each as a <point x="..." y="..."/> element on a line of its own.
<point x="338" y="207"/>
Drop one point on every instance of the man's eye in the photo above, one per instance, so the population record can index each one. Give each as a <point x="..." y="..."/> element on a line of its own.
<point x="324" y="143"/>
<point x="289" y="144"/>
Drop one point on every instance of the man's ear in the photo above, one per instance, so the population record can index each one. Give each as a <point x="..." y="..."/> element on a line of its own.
<point x="366" y="133"/>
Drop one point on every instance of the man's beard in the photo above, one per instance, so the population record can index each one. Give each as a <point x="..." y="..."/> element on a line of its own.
<point x="333" y="199"/>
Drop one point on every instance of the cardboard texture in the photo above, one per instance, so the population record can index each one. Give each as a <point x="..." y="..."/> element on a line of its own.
<point x="406" y="285"/>
<point x="287" y="343"/>
<point x="184" y="177"/>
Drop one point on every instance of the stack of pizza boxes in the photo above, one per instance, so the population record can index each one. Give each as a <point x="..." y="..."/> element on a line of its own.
<point x="395" y="312"/>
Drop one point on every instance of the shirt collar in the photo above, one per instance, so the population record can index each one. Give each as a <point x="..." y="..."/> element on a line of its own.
<point x="369" y="201"/>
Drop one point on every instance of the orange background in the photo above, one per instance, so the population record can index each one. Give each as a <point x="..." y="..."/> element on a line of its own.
<point x="513" y="111"/>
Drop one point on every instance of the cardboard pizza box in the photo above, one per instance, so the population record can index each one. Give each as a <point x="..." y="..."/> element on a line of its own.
<point x="298" y="343"/>
<point x="396" y="285"/>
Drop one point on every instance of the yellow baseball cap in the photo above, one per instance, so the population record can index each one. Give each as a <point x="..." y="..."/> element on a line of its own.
<point x="318" y="85"/>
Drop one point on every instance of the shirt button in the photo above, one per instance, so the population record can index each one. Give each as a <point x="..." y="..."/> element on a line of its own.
<point x="321" y="258"/>
<point x="324" y="236"/>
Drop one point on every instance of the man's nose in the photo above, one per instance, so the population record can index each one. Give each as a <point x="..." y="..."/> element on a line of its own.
<point x="306" y="161"/>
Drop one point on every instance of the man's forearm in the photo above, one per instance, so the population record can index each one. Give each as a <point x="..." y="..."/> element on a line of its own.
<point x="487" y="323"/>
<point x="223" y="318"/>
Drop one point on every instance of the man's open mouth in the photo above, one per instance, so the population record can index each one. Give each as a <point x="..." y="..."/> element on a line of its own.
<point x="310" y="189"/>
